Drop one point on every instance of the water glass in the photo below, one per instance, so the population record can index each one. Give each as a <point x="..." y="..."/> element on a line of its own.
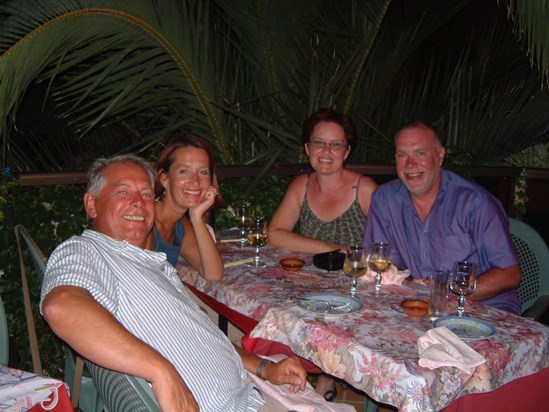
<point x="439" y="293"/>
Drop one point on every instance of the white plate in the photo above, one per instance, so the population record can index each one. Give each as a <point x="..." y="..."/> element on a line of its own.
<point x="466" y="328"/>
<point x="329" y="303"/>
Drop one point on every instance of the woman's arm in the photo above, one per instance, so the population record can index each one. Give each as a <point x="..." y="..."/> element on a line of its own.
<point x="198" y="247"/>
<point x="366" y="187"/>
<point x="281" y="234"/>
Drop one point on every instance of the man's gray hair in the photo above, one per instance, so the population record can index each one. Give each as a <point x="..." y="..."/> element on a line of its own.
<point x="96" y="178"/>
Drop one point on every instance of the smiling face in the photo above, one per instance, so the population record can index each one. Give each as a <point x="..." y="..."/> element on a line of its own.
<point x="124" y="209"/>
<point x="419" y="156"/>
<point x="327" y="148"/>
<point x="188" y="177"/>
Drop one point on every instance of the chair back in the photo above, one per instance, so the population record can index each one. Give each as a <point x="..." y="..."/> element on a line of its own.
<point x="39" y="260"/>
<point x="533" y="256"/>
<point x="121" y="392"/>
<point x="83" y="392"/>
<point x="4" y="342"/>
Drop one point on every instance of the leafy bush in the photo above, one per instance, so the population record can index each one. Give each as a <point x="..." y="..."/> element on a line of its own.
<point x="51" y="214"/>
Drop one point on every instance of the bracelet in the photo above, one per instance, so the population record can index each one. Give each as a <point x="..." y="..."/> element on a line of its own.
<point x="261" y="366"/>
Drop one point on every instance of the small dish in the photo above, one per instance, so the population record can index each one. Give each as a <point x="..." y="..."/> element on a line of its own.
<point x="415" y="308"/>
<point x="466" y="328"/>
<point x="292" y="264"/>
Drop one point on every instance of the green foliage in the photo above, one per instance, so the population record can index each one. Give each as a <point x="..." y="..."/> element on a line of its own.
<point x="265" y="197"/>
<point x="51" y="214"/>
<point x="83" y="78"/>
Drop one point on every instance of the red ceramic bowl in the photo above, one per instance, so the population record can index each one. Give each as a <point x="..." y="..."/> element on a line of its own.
<point x="292" y="264"/>
<point x="415" y="307"/>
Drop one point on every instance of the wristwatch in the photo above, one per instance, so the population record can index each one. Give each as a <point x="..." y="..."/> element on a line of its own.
<point x="261" y="366"/>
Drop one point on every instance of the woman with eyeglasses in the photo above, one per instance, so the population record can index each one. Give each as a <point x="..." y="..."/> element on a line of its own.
<point x="331" y="203"/>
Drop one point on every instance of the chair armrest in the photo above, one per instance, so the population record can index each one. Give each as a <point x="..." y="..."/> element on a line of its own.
<point x="540" y="306"/>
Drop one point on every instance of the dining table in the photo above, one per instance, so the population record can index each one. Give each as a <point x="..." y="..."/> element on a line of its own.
<point x="22" y="391"/>
<point x="375" y="347"/>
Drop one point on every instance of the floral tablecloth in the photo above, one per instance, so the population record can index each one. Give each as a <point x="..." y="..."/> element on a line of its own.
<point x="375" y="349"/>
<point x="24" y="391"/>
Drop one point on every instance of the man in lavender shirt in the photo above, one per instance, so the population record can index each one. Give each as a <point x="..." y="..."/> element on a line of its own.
<point x="433" y="218"/>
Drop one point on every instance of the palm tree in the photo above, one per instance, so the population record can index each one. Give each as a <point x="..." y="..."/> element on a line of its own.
<point x="80" y="78"/>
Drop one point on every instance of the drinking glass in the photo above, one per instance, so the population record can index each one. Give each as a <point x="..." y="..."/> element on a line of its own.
<point x="438" y="293"/>
<point x="463" y="282"/>
<point x="379" y="261"/>
<point x="355" y="265"/>
<point x="257" y="236"/>
<point x="243" y="217"/>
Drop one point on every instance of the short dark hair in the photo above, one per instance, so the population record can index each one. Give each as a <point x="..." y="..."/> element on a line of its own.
<point x="422" y="125"/>
<point x="329" y="116"/>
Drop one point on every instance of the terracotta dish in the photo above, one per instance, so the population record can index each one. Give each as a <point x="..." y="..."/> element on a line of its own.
<point x="415" y="307"/>
<point x="292" y="264"/>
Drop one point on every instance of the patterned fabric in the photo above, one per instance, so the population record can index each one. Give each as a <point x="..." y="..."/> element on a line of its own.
<point x="347" y="229"/>
<point x="465" y="223"/>
<point x="374" y="349"/>
<point x="24" y="391"/>
<point x="171" y="251"/>
<point x="129" y="282"/>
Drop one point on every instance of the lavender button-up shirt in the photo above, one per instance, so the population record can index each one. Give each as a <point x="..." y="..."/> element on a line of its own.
<point x="465" y="223"/>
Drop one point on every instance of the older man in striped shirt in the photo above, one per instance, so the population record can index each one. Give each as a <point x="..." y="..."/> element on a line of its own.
<point x="123" y="307"/>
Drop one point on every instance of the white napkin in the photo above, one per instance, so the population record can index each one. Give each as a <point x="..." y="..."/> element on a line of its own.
<point x="302" y="401"/>
<point x="392" y="277"/>
<point x="441" y="347"/>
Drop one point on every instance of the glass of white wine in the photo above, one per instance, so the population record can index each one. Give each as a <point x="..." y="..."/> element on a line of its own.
<point x="257" y="237"/>
<point x="379" y="261"/>
<point x="463" y="282"/>
<point x="243" y="218"/>
<point x="355" y="265"/>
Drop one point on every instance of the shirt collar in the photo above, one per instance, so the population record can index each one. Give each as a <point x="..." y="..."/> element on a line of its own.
<point x="123" y="245"/>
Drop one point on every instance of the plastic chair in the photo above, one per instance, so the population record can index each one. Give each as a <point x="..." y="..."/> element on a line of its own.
<point x="4" y="341"/>
<point x="82" y="389"/>
<point x="533" y="255"/>
<point x="121" y="392"/>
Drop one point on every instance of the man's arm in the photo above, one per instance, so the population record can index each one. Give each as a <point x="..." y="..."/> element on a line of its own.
<point x="288" y="370"/>
<point x="496" y="281"/>
<point x="78" y="319"/>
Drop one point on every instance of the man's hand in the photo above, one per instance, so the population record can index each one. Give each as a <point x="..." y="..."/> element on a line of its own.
<point x="172" y="393"/>
<point x="288" y="371"/>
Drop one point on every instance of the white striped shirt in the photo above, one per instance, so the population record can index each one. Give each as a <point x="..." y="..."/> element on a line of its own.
<point x="141" y="289"/>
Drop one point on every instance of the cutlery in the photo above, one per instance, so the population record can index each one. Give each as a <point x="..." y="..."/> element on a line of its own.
<point x="238" y="262"/>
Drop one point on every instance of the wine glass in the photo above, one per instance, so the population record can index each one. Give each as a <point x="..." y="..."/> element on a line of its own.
<point x="379" y="261"/>
<point x="243" y="217"/>
<point x="463" y="282"/>
<point x="257" y="236"/>
<point x="355" y="265"/>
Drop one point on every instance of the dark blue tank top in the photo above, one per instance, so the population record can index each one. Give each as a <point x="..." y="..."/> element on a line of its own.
<point x="171" y="251"/>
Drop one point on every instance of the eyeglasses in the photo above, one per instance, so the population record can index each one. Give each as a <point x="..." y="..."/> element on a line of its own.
<point x="333" y="146"/>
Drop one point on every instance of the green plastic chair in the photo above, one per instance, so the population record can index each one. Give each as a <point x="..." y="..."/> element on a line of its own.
<point x="533" y="255"/>
<point x="121" y="392"/>
<point x="82" y="389"/>
<point x="4" y="342"/>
